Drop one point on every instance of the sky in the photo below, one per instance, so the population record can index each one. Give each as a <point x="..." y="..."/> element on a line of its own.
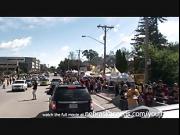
<point x="50" y="39"/>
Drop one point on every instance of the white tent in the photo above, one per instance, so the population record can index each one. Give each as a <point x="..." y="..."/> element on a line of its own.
<point x="126" y="77"/>
<point x="107" y="71"/>
<point x="114" y="72"/>
<point x="107" y="76"/>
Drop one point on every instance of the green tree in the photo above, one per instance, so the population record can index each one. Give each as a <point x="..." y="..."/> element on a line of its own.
<point x="52" y="69"/>
<point x="155" y="37"/>
<point x="164" y="64"/>
<point x="90" y="54"/>
<point x="71" y="55"/>
<point x="125" y="63"/>
<point x="68" y="64"/>
<point x="121" y="62"/>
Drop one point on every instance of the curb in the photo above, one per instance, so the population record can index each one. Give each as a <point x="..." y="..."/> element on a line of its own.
<point x="106" y="98"/>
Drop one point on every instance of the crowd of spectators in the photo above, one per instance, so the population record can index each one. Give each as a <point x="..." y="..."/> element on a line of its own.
<point x="131" y="94"/>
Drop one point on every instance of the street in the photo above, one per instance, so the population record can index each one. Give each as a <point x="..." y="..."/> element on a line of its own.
<point x="21" y="105"/>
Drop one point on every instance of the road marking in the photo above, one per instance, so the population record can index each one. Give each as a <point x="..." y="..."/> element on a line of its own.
<point x="100" y="106"/>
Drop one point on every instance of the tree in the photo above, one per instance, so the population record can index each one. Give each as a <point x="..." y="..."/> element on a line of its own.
<point x="121" y="62"/>
<point x="90" y="54"/>
<point x="111" y="53"/>
<point x="155" y="37"/>
<point x="72" y="55"/>
<point x="164" y="64"/>
<point x="68" y="64"/>
<point x="125" y="63"/>
<point x="52" y="69"/>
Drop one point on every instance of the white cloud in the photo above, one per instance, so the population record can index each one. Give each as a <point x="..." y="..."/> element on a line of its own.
<point x="16" y="44"/>
<point x="31" y="22"/>
<point x="170" y="29"/>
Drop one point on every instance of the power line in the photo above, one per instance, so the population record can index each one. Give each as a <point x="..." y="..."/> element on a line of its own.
<point x="121" y="42"/>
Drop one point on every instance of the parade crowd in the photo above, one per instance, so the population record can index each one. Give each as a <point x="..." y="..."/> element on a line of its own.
<point x="131" y="94"/>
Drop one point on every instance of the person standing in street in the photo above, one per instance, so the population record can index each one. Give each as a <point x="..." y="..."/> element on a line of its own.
<point x="116" y="88"/>
<point x="10" y="80"/>
<point x="132" y="97"/>
<point x="4" y="85"/>
<point x="34" y="90"/>
<point x="123" y="97"/>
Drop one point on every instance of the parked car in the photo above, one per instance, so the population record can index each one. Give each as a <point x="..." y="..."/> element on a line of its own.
<point x="29" y="82"/>
<point x="19" y="85"/>
<point x="70" y="99"/>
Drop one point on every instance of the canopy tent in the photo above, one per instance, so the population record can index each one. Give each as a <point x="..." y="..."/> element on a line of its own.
<point x="107" y="71"/>
<point x="107" y="76"/>
<point x="114" y="72"/>
<point x="126" y="77"/>
<point x="95" y="69"/>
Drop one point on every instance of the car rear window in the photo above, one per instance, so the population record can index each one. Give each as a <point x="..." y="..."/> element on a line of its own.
<point x="28" y="80"/>
<point x="19" y="82"/>
<point x="65" y="94"/>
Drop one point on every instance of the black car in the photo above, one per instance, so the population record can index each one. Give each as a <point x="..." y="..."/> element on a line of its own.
<point x="29" y="83"/>
<point x="51" y="89"/>
<point x="70" y="99"/>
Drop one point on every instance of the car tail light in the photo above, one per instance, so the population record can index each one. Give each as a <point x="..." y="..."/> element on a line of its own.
<point x="53" y="105"/>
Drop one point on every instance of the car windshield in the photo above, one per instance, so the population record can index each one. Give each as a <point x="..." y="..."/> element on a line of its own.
<point x="28" y="80"/>
<point x="44" y="79"/>
<point x="65" y="94"/>
<point x="16" y="82"/>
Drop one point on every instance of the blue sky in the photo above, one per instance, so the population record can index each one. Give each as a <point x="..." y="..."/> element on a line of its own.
<point x="50" y="39"/>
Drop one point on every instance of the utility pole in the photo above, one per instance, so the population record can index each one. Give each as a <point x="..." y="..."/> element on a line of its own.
<point x="146" y="47"/>
<point x="105" y="28"/>
<point x="79" y="60"/>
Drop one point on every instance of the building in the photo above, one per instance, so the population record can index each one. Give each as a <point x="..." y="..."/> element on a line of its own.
<point x="43" y="67"/>
<point x="27" y="64"/>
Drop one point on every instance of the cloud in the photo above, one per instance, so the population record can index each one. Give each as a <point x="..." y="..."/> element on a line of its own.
<point x="16" y="44"/>
<point x="170" y="29"/>
<point x="31" y="22"/>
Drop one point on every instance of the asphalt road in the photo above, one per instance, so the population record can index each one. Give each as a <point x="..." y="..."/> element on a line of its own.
<point x="21" y="105"/>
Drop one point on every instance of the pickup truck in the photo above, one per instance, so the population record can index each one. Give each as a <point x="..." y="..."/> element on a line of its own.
<point x="19" y="85"/>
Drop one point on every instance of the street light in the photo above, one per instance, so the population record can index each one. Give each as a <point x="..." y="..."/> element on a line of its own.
<point x="93" y="39"/>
